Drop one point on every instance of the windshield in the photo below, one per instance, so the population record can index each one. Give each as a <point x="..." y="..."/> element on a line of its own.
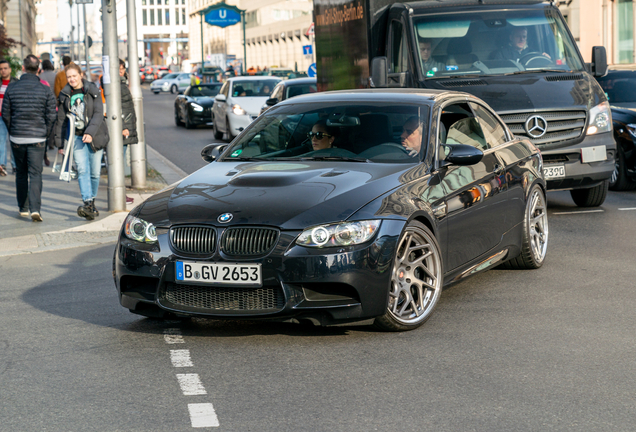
<point x="170" y="76"/>
<point x="372" y="132"/>
<point x="502" y="42"/>
<point x="202" y="91"/>
<point x="250" y="88"/>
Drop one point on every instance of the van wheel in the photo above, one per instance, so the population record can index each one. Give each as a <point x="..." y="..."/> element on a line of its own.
<point x="592" y="197"/>
<point x="416" y="280"/>
<point x="217" y="133"/>
<point x="619" y="180"/>
<point x="228" y="129"/>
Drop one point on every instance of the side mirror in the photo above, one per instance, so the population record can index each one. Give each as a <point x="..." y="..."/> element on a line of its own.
<point x="599" y="61"/>
<point x="462" y="154"/>
<point x="220" y="97"/>
<point x="379" y="72"/>
<point x="211" y="152"/>
<point x="271" y="101"/>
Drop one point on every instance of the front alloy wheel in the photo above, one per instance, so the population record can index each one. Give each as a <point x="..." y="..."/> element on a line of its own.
<point x="416" y="280"/>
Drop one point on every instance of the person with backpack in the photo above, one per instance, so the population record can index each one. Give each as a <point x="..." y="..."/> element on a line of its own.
<point x="83" y="100"/>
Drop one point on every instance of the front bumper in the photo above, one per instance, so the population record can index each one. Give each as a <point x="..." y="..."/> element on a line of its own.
<point x="580" y="175"/>
<point x="240" y="122"/>
<point x="324" y="285"/>
<point x="200" y="117"/>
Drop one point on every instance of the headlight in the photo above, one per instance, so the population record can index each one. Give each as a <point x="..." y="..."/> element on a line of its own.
<point x="600" y="119"/>
<point x="631" y="128"/>
<point x="341" y="234"/>
<point x="139" y="230"/>
<point x="197" y="107"/>
<point x="236" y="109"/>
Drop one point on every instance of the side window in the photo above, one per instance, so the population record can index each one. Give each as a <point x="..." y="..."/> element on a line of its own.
<point x="494" y="132"/>
<point x="461" y="126"/>
<point x="399" y="51"/>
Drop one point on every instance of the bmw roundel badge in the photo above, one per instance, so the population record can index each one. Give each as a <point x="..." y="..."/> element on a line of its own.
<point x="225" y="217"/>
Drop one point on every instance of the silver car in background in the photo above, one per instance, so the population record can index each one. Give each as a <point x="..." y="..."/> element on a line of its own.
<point x="173" y="83"/>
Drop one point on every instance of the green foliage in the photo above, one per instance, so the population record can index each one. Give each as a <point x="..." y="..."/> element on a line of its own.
<point x="6" y="44"/>
<point x="16" y="64"/>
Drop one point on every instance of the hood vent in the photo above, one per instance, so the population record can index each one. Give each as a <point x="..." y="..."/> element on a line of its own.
<point x="463" y="83"/>
<point x="564" y="77"/>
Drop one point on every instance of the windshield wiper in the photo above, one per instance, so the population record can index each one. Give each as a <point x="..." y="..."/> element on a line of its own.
<point x="334" y="158"/>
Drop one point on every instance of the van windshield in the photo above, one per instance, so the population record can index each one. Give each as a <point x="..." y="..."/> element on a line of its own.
<point x="495" y="43"/>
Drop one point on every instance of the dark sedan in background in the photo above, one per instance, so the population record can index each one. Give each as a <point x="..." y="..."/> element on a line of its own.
<point x="620" y="88"/>
<point x="194" y="106"/>
<point x="290" y="88"/>
<point x="339" y="207"/>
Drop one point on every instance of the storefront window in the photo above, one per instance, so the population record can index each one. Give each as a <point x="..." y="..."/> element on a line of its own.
<point x="625" y="20"/>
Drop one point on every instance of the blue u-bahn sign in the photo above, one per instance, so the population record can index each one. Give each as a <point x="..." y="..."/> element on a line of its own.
<point x="222" y="15"/>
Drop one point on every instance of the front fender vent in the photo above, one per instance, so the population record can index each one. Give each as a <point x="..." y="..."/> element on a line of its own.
<point x="564" y="77"/>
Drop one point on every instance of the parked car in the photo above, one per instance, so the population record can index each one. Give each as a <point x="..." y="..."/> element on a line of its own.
<point x="162" y="71"/>
<point x="194" y="107"/>
<point x="239" y="103"/>
<point x="148" y="74"/>
<point x="276" y="229"/>
<point x="620" y="88"/>
<point x="173" y="83"/>
<point x="290" y="88"/>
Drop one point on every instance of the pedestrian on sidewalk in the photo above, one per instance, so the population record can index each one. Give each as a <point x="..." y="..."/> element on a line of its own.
<point x="28" y="110"/>
<point x="129" y="118"/>
<point x="48" y="73"/>
<point x="60" y="78"/>
<point x="83" y="100"/>
<point x="5" y="75"/>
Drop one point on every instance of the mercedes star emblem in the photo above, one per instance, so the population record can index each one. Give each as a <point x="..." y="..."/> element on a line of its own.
<point x="536" y="126"/>
<point x="225" y="217"/>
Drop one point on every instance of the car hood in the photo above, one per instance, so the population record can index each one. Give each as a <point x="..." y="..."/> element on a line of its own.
<point x="289" y="195"/>
<point x="252" y="105"/>
<point x="204" y="101"/>
<point x="526" y="92"/>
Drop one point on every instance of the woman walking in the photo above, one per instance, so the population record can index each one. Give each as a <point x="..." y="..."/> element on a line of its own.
<point x="82" y="99"/>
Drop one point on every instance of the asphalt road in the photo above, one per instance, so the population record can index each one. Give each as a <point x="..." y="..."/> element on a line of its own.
<point x="545" y="350"/>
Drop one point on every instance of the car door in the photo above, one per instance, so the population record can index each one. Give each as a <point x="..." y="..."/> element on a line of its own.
<point x="475" y="194"/>
<point x="183" y="81"/>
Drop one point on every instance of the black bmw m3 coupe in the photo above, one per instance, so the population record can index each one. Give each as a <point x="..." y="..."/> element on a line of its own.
<point x="339" y="207"/>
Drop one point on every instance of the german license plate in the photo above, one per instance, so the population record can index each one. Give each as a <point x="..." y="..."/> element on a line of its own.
<point x="553" y="172"/>
<point x="219" y="274"/>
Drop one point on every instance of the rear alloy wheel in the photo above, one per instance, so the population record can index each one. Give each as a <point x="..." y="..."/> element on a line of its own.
<point x="592" y="197"/>
<point x="619" y="180"/>
<point x="534" y="243"/>
<point x="416" y="280"/>
<point x="174" y="89"/>
<point x="217" y="134"/>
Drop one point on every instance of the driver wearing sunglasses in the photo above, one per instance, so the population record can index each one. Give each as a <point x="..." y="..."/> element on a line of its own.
<point x="321" y="136"/>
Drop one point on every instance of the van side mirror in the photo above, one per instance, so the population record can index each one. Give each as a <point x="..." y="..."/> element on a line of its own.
<point x="211" y="152"/>
<point x="271" y="102"/>
<point x="599" y="61"/>
<point x="379" y="72"/>
<point x="220" y="97"/>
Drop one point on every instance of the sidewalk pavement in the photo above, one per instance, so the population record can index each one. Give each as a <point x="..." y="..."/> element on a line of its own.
<point x="62" y="228"/>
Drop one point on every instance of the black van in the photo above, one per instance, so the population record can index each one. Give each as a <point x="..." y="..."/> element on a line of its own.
<point x="518" y="56"/>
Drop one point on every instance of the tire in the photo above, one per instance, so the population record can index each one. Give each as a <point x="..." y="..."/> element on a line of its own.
<point x="228" y="130"/>
<point x="177" y="120"/>
<point x="188" y="123"/>
<point x="174" y="89"/>
<point x="416" y="280"/>
<point x="592" y="197"/>
<point x="534" y="242"/>
<point x="619" y="180"/>
<point x="155" y="92"/>
<point x="217" y="134"/>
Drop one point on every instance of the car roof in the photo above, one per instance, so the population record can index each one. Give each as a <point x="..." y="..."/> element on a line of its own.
<point x="305" y="80"/>
<point x="454" y="4"/>
<point x="416" y="96"/>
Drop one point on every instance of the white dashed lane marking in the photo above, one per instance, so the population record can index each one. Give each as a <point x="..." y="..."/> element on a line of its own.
<point x="577" y="212"/>
<point x="203" y="415"/>
<point x="629" y="208"/>
<point x="173" y="336"/>
<point x="191" y="384"/>
<point x="180" y="358"/>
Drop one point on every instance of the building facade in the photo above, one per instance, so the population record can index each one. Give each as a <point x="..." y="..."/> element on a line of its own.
<point x="608" y="23"/>
<point x="275" y="34"/>
<point x="46" y="28"/>
<point x="19" y="22"/>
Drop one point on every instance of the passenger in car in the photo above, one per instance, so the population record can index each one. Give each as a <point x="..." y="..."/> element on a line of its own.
<point x="321" y="135"/>
<point x="412" y="135"/>
<point x="428" y="63"/>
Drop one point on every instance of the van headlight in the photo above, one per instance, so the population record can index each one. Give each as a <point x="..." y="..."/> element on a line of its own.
<point x="236" y="109"/>
<point x="139" y="230"/>
<point x="600" y="119"/>
<point x="340" y="234"/>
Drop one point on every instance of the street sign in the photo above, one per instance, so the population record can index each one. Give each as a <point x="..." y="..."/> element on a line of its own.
<point x="312" y="70"/>
<point x="308" y="49"/>
<point x="222" y="15"/>
<point x="310" y="31"/>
